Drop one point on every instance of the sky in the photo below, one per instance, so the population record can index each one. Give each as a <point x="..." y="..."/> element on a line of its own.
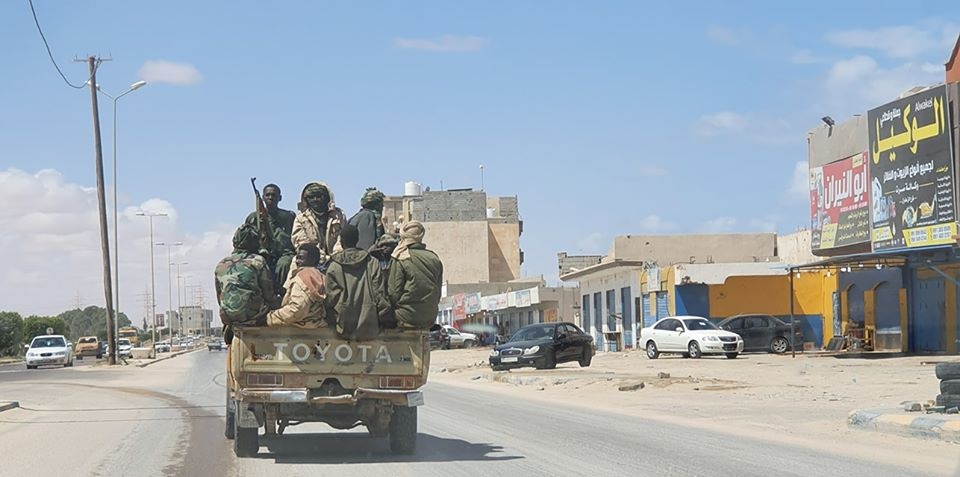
<point x="603" y="118"/>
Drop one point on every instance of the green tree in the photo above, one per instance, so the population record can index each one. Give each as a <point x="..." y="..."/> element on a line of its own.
<point x="11" y="333"/>
<point x="37" y="325"/>
<point x="90" y="321"/>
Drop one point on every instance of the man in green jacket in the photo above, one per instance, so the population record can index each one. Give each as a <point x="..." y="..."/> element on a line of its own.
<point x="281" y="250"/>
<point x="416" y="276"/>
<point x="355" y="299"/>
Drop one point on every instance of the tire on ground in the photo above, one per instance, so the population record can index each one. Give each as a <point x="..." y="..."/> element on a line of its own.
<point x="948" y="400"/>
<point x="403" y="430"/>
<point x="950" y="386"/>
<point x="949" y="371"/>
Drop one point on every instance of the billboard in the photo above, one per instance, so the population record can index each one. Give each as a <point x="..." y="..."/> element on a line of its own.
<point x="459" y="306"/>
<point x="840" y="203"/>
<point x="912" y="199"/>
<point x="471" y="303"/>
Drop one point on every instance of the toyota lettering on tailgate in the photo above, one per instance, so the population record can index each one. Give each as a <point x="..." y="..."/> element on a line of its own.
<point x="342" y="353"/>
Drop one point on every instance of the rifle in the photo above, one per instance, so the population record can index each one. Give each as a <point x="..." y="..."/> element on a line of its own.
<point x="263" y="219"/>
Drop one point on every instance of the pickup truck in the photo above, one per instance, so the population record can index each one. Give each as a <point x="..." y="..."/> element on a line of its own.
<point x="283" y="376"/>
<point x="88" y="346"/>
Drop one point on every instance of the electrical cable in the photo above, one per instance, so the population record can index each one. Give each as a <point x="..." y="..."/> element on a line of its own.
<point x="50" y="54"/>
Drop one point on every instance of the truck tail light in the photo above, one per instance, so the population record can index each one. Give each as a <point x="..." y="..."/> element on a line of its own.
<point x="398" y="382"/>
<point x="265" y="380"/>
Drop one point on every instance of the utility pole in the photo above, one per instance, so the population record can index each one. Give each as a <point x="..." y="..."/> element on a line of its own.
<point x="169" y="246"/>
<point x="93" y="62"/>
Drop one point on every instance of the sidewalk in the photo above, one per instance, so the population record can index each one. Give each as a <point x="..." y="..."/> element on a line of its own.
<point x="944" y="427"/>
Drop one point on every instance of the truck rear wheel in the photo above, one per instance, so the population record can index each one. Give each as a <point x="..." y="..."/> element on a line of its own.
<point x="230" y="430"/>
<point x="246" y="442"/>
<point x="403" y="430"/>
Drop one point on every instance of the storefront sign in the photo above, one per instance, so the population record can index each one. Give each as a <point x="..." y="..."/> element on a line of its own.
<point x="494" y="302"/>
<point x="911" y="172"/>
<point x="471" y="303"/>
<point x="840" y="203"/>
<point x="459" y="306"/>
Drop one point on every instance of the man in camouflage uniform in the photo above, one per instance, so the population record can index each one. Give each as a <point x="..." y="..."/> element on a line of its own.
<point x="369" y="220"/>
<point x="303" y="305"/>
<point x="281" y="251"/>
<point x="243" y="282"/>
<point x="318" y="222"/>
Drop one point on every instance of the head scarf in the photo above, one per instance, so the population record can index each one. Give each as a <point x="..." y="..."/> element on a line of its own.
<point x="371" y="196"/>
<point x="246" y="238"/>
<point x="411" y="234"/>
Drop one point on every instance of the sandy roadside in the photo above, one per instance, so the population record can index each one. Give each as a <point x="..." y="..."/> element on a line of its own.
<point x="797" y="401"/>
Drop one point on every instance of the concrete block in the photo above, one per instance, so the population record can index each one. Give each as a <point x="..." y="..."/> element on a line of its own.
<point x="912" y="407"/>
<point x="141" y="353"/>
<point x="663" y="375"/>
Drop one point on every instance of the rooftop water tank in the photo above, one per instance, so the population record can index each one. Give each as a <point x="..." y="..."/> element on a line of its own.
<point x="412" y="189"/>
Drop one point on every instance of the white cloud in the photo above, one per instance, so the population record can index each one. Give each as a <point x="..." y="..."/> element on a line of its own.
<point x="718" y="124"/>
<point x="805" y="57"/>
<point x="905" y="42"/>
<point x="163" y="71"/>
<point x="595" y="243"/>
<point x="859" y="83"/>
<point x="799" y="188"/>
<point x="721" y="224"/>
<point x="651" y="170"/>
<point x="654" y="223"/>
<point x="723" y="35"/>
<point x="49" y="229"/>
<point x="443" y="44"/>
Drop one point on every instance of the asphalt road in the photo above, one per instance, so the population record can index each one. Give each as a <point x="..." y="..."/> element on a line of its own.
<point x="166" y="419"/>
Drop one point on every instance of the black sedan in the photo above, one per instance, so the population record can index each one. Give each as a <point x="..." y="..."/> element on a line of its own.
<point x="543" y="346"/>
<point x="763" y="332"/>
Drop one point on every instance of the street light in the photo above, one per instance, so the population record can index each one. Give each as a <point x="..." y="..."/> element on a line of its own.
<point x="116" y="223"/>
<point x="169" y="246"/>
<point x="179" y="303"/>
<point x="153" y="285"/>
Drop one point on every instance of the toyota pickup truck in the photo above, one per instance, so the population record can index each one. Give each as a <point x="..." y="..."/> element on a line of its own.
<point x="283" y="376"/>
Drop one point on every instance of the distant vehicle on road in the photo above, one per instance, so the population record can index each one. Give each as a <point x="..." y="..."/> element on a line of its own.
<point x="459" y="339"/>
<point x="216" y="344"/>
<point x="438" y="337"/>
<point x="125" y="348"/>
<point x="88" y="346"/>
<point x="690" y="336"/>
<point x="162" y="347"/>
<point x="130" y="334"/>
<point x="49" y="350"/>
<point x="763" y="332"/>
<point x="544" y="346"/>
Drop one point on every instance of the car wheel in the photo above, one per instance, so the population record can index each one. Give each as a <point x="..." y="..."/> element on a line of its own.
<point x="652" y="352"/>
<point x="694" y="350"/>
<point x="31" y="367"/>
<point x="468" y="344"/>
<point x="403" y="430"/>
<point x="779" y="345"/>
<point x="497" y="368"/>
<point x="732" y="355"/>
<point x="586" y="358"/>
<point x="69" y="364"/>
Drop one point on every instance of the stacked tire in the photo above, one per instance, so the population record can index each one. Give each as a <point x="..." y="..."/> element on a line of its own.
<point x="949" y="375"/>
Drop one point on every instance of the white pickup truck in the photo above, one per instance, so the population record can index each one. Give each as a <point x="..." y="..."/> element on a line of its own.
<point x="460" y="339"/>
<point x="279" y="377"/>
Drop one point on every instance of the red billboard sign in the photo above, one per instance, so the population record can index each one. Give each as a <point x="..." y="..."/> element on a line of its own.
<point x="840" y="203"/>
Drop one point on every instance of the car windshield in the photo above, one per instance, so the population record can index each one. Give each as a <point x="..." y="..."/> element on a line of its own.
<point x="533" y="333"/>
<point x="88" y="340"/>
<point x="698" y="324"/>
<point x="48" y="343"/>
<point x="123" y="342"/>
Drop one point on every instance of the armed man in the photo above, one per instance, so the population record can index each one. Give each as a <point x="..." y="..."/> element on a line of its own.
<point x="280" y="251"/>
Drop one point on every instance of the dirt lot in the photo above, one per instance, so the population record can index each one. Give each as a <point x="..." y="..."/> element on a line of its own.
<point x="803" y="400"/>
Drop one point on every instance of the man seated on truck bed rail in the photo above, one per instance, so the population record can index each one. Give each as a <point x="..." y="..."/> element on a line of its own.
<point x="303" y="304"/>
<point x="355" y="294"/>
<point x="243" y="282"/>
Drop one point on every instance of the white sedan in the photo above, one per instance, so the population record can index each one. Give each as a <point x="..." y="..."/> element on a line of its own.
<point x="691" y="336"/>
<point x="49" y="350"/>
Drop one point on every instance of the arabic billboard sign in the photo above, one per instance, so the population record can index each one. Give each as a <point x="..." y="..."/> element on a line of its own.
<point x="840" y="203"/>
<point x="911" y="172"/>
<point x="459" y="306"/>
<point x="471" y="303"/>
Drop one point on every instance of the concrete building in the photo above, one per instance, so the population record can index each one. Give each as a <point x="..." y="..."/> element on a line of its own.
<point x="477" y="237"/>
<point x="503" y="308"/>
<point x="196" y="320"/>
<point x="572" y="263"/>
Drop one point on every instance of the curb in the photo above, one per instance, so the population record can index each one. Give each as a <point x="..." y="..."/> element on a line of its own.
<point x="7" y="405"/>
<point x="893" y="421"/>
<point x="174" y="355"/>
<point x="10" y="361"/>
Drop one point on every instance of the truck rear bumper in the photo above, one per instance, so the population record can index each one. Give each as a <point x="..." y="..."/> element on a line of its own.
<point x="394" y="396"/>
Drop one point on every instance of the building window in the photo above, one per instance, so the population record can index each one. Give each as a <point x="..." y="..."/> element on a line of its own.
<point x="585" y="314"/>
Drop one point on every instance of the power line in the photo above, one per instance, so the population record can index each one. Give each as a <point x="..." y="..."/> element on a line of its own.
<point x="50" y="54"/>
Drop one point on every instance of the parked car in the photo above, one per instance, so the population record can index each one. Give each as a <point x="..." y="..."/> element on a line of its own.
<point x="49" y="350"/>
<point x="438" y="337"/>
<point x="88" y="346"/>
<point x="459" y="339"/>
<point x="690" y="336"/>
<point x="763" y="332"/>
<point x="543" y="346"/>
<point x="216" y="344"/>
<point x="162" y="347"/>
<point x="125" y="349"/>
